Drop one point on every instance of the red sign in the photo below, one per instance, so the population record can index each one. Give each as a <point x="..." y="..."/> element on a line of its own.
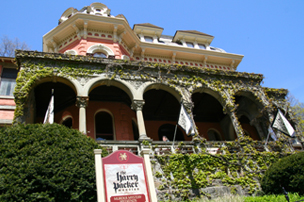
<point x="129" y="198"/>
<point x="125" y="177"/>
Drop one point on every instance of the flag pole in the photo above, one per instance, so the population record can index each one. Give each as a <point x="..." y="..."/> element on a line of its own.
<point x="267" y="138"/>
<point x="174" y="135"/>
<point x="49" y="115"/>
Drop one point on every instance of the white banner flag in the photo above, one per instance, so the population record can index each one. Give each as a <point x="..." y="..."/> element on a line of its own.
<point x="185" y="122"/>
<point x="281" y="124"/>
<point x="49" y="115"/>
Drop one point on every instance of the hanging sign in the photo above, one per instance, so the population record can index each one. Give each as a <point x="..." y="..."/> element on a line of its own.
<point x="124" y="177"/>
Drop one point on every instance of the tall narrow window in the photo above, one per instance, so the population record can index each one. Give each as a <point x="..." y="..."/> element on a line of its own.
<point x="8" y="81"/>
<point x="104" y="126"/>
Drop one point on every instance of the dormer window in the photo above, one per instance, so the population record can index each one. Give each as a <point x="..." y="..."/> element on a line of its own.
<point x="148" y="39"/>
<point x="202" y="46"/>
<point x="98" y="10"/>
<point x="99" y="55"/>
<point x="189" y="44"/>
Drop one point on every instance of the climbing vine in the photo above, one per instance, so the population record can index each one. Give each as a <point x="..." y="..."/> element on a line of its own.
<point x="181" y="172"/>
<point x="37" y="65"/>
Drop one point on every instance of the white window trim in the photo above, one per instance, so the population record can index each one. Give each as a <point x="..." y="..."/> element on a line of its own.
<point x="100" y="48"/>
<point x="70" y="52"/>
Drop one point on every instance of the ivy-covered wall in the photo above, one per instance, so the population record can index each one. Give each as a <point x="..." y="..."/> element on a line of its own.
<point x="178" y="173"/>
<point x="185" y="80"/>
<point x="237" y="167"/>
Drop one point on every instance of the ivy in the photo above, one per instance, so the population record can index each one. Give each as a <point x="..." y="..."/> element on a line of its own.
<point x="183" y="172"/>
<point x="180" y="172"/>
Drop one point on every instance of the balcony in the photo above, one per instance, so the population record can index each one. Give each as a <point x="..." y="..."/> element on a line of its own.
<point x="189" y="147"/>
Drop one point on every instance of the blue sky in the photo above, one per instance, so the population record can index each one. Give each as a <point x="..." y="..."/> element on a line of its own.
<point x="270" y="34"/>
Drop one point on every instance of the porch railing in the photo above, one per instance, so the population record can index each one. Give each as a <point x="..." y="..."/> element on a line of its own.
<point x="187" y="147"/>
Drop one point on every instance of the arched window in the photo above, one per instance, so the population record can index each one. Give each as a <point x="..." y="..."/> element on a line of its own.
<point x="104" y="126"/>
<point x="100" y="50"/>
<point x="168" y="131"/>
<point x="99" y="55"/>
<point x="68" y="122"/>
<point x="214" y="136"/>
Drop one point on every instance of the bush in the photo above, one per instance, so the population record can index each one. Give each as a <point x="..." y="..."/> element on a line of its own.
<point x="46" y="163"/>
<point x="288" y="172"/>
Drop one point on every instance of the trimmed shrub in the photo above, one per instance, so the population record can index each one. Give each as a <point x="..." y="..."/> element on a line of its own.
<point x="47" y="162"/>
<point x="288" y="172"/>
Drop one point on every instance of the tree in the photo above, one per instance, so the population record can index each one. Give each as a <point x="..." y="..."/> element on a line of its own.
<point x="298" y="109"/>
<point x="46" y="162"/>
<point x="8" y="46"/>
<point x="299" y="113"/>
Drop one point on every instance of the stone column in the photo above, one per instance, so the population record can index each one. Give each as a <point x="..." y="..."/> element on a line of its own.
<point x="236" y="124"/>
<point x="138" y="105"/>
<point x="82" y="103"/>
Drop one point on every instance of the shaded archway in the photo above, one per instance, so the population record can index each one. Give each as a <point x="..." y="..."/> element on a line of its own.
<point x="109" y="94"/>
<point x="168" y="131"/>
<point x="161" y="107"/>
<point x="248" y="128"/>
<point x="208" y="114"/>
<point x="64" y="98"/>
<point x="249" y="113"/>
<point x="116" y="102"/>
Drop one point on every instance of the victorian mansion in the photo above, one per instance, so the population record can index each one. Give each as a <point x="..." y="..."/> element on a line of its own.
<point x="112" y="81"/>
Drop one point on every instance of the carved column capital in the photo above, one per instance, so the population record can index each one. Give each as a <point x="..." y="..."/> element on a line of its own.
<point x="138" y="105"/>
<point x="82" y="101"/>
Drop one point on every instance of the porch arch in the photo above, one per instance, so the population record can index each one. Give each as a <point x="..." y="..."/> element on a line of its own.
<point x="208" y="113"/>
<point x="100" y="81"/>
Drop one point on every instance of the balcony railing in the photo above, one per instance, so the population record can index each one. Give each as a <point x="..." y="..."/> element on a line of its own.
<point x="188" y="147"/>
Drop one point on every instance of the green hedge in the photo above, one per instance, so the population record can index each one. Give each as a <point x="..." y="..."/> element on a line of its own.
<point x="46" y="163"/>
<point x="288" y="172"/>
